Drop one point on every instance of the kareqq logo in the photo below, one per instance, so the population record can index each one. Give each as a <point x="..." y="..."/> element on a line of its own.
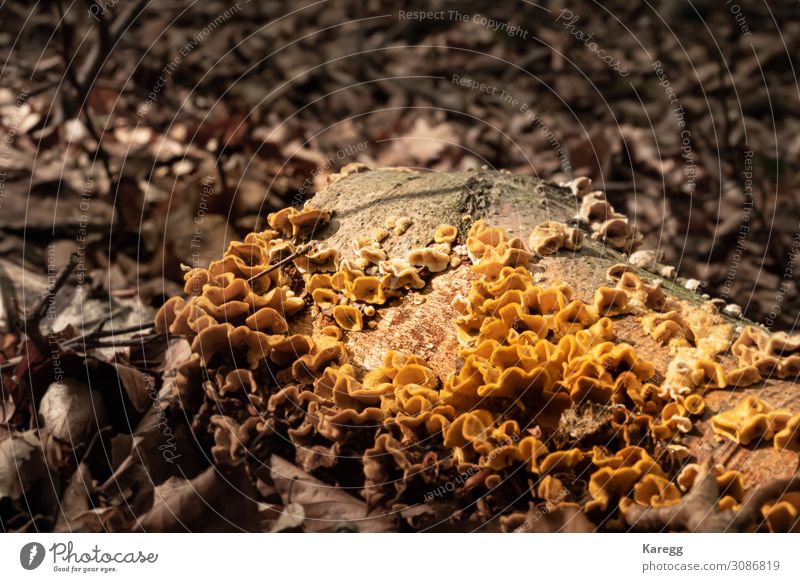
<point x="31" y="555"/>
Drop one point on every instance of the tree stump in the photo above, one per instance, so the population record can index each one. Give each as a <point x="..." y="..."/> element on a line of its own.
<point x="361" y="199"/>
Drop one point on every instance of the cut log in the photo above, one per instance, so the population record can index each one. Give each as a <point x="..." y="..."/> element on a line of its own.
<point x="421" y="323"/>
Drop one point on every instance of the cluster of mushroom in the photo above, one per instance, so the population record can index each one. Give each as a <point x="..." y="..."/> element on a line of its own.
<point x="780" y="515"/>
<point x="696" y="337"/>
<point x="753" y="420"/>
<point x="400" y="392"/>
<point x="527" y="354"/>
<point x="671" y="327"/>
<point x="237" y="318"/>
<point x="770" y="355"/>
<point x="237" y="308"/>
<point x="730" y="484"/>
<point x="607" y="225"/>
<point x="349" y="289"/>
<point x="783" y="514"/>
<point x="549" y="237"/>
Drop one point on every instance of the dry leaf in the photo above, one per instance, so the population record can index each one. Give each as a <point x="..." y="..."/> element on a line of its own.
<point x="70" y="410"/>
<point x="21" y="463"/>
<point x="325" y="506"/>
<point x="211" y="502"/>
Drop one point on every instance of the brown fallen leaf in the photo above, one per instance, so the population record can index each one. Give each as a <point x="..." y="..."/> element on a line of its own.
<point x="21" y="463"/>
<point x="71" y="411"/>
<point x="75" y="504"/>
<point x="291" y="519"/>
<point x="164" y="445"/>
<point x="211" y="502"/>
<point x="137" y="385"/>
<point x="325" y="506"/>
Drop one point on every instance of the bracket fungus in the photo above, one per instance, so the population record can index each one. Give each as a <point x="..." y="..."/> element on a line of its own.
<point x="580" y="186"/>
<point x="789" y="437"/>
<point x="321" y="261"/>
<point x="618" y="474"/>
<point x="268" y="335"/>
<point x="783" y="514"/>
<point x="652" y="491"/>
<point x="402" y="224"/>
<point x="445" y="233"/>
<point x="399" y="275"/>
<point x="294" y="223"/>
<point x="777" y="354"/>
<point x="548" y="237"/>
<point x="348" y="317"/>
<point x="608" y="225"/>
<point x="751" y="420"/>
<point x="432" y="259"/>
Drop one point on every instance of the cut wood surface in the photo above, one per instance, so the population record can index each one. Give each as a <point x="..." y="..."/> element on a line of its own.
<point x="422" y="322"/>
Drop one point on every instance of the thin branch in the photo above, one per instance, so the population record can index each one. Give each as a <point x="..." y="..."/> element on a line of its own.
<point x="81" y="90"/>
<point x="93" y="341"/>
<point x="103" y="333"/>
<point x="301" y="251"/>
<point x="8" y="297"/>
<point x="136" y="341"/>
<point x="83" y="81"/>
<point x="109" y="36"/>
<point x="127" y="17"/>
<point x="92" y="443"/>
<point x="10" y="363"/>
<point x="31" y="325"/>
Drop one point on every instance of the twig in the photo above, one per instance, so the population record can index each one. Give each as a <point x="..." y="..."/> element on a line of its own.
<point x="109" y="36"/>
<point x="8" y="296"/>
<point x="82" y="81"/>
<point x="124" y="343"/>
<point x="32" y="521"/>
<point x="10" y="363"/>
<point x="101" y="333"/>
<point x="301" y="251"/>
<point x="92" y="443"/>
<point x="81" y="90"/>
<point x="93" y="339"/>
<point x="76" y="108"/>
<point x="40" y="307"/>
<point x="31" y="325"/>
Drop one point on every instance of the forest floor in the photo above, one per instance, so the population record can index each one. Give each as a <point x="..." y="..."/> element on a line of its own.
<point x="145" y="138"/>
<point x="221" y="112"/>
